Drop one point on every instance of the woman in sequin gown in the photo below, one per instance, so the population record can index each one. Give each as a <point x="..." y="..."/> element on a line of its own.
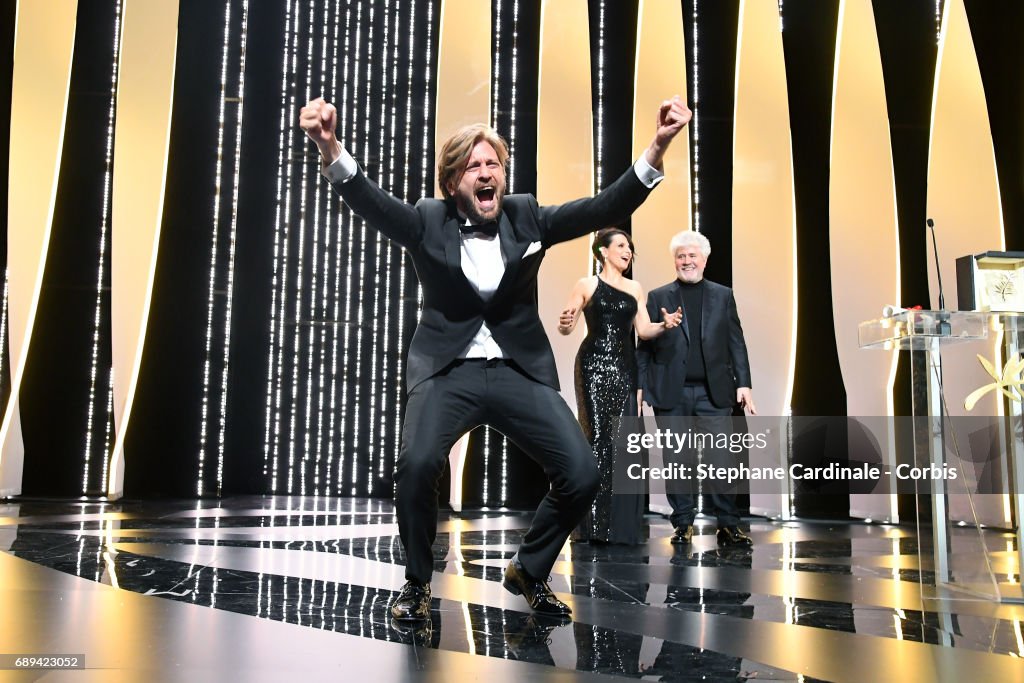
<point x="606" y="377"/>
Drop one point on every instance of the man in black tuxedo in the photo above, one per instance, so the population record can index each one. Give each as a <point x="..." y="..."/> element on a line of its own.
<point x="699" y="370"/>
<point x="479" y="354"/>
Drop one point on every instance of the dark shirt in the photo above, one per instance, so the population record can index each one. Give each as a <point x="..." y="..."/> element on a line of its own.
<point x="693" y="298"/>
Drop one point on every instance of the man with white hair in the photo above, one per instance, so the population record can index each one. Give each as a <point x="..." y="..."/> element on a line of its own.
<point x="699" y="370"/>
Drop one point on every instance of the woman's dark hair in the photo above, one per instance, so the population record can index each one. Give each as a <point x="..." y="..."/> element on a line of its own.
<point x="604" y="239"/>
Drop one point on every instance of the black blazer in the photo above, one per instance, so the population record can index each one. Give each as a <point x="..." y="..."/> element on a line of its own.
<point x="662" y="361"/>
<point x="452" y="309"/>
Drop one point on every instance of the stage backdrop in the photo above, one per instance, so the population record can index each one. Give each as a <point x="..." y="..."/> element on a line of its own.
<point x="188" y="310"/>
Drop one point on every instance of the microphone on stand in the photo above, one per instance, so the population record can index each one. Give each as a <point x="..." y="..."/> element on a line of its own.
<point x="938" y="273"/>
<point x="943" y="324"/>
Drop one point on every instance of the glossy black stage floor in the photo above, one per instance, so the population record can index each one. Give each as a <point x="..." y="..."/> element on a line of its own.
<point x="285" y="589"/>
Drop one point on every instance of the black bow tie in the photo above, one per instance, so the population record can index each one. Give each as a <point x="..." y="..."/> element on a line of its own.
<point x="489" y="228"/>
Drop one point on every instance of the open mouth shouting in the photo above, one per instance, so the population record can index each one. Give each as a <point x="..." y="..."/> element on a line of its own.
<point x="479" y="190"/>
<point x="486" y="199"/>
<point x="483" y="202"/>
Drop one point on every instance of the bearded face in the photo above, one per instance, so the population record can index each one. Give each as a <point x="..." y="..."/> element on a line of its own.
<point x="478" y="193"/>
<point x="690" y="262"/>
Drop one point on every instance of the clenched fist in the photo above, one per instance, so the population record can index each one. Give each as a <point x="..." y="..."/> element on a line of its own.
<point x="673" y="115"/>
<point x="319" y="118"/>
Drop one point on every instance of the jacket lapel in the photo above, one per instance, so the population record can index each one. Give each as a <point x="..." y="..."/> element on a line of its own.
<point x="706" y="305"/>
<point x="513" y="253"/>
<point x="453" y="255"/>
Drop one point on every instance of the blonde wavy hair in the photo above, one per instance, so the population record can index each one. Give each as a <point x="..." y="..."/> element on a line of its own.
<point x="451" y="161"/>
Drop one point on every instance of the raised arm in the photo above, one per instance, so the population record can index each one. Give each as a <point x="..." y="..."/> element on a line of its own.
<point x="617" y="202"/>
<point x="394" y="218"/>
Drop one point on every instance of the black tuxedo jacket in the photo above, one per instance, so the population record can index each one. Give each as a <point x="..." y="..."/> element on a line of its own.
<point x="452" y="309"/>
<point x="662" y="361"/>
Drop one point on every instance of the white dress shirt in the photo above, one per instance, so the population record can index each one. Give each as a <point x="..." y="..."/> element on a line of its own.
<point x="483" y="265"/>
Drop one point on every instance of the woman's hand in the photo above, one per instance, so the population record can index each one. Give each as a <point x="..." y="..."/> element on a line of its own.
<point x="673" y="319"/>
<point x="567" y="320"/>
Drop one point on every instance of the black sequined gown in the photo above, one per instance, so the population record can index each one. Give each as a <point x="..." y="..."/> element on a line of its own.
<point x="605" y="390"/>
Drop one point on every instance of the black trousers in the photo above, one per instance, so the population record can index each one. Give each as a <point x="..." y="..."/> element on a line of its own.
<point x="473" y="392"/>
<point x="695" y="402"/>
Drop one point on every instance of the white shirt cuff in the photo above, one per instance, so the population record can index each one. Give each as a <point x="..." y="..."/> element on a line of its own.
<point x="647" y="174"/>
<point x="341" y="169"/>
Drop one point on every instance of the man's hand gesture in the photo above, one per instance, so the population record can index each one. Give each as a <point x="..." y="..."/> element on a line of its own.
<point x="319" y="118"/>
<point x="673" y="115"/>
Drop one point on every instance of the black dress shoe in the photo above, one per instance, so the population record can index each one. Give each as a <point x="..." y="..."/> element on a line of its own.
<point x="413" y="603"/>
<point x="731" y="536"/>
<point x="683" y="535"/>
<point x="536" y="592"/>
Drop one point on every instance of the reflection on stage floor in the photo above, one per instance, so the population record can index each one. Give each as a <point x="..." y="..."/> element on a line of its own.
<point x="278" y="588"/>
